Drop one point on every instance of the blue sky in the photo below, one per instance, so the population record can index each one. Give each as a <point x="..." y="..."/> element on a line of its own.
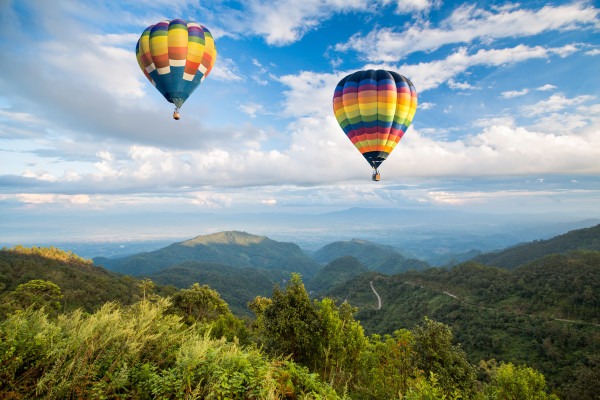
<point x="508" y="117"/>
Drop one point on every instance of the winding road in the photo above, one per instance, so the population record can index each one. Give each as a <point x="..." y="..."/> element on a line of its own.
<point x="376" y="294"/>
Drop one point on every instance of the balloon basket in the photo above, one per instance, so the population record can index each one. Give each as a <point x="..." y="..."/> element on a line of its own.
<point x="176" y="115"/>
<point x="376" y="176"/>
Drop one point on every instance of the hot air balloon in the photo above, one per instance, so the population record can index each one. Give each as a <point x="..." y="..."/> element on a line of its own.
<point x="176" y="56"/>
<point x="374" y="109"/>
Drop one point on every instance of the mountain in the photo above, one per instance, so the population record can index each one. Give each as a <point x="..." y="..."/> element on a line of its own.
<point x="580" y="239"/>
<point x="336" y="272"/>
<point x="237" y="286"/>
<point x="545" y="313"/>
<point x="237" y="249"/>
<point x="377" y="257"/>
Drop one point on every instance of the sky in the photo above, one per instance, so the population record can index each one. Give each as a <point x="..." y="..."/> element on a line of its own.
<point x="508" y="119"/>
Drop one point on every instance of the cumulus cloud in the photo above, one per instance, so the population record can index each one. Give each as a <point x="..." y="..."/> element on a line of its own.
<point x="514" y="93"/>
<point x="251" y="109"/>
<point x="286" y="21"/>
<point x="225" y="70"/>
<point x="426" y="106"/>
<point x="429" y="75"/>
<point x="556" y="102"/>
<point x="469" y="23"/>
<point x="409" y="6"/>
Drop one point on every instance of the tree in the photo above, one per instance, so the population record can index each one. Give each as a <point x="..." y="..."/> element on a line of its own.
<point x="146" y="285"/>
<point x="291" y="323"/>
<point x="35" y="294"/>
<point x="341" y="341"/>
<point x="517" y="382"/>
<point x="258" y="307"/>
<point x="437" y="354"/>
<point x="198" y="303"/>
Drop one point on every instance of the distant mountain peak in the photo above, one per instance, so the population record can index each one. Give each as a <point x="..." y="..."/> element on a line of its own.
<point x="226" y="237"/>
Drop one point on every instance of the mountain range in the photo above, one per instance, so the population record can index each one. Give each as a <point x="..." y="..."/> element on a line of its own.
<point x="536" y="303"/>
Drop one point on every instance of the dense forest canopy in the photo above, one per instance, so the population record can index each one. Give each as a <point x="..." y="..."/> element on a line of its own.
<point x="471" y="331"/>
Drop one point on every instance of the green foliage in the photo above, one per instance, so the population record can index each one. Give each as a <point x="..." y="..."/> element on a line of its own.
<point x="341" y="343"/>
<point x="517" y="382"/>
<point x="34" y="294"/>
<point x="191" y="346"/>
<point x="52" y="253"/>
<point x="336" y="272"/>
<point x="580" y="239"/>
<point x="82" y="284"/>
<point x="544" y="314"/>
<point x="290" y="323"/>
<point x="428" y="389"/>
<point x="198" y="303"/>
<point x="138" y="352"/>
<point x="236" y="285"/>
<point x="384" y="259"/>
<point x="389" y="366"/>
<point x="437" y="354"/>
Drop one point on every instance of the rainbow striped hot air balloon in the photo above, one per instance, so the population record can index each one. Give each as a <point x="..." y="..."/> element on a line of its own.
<point x="375" y="108"/>
<point x="176" y="56"/>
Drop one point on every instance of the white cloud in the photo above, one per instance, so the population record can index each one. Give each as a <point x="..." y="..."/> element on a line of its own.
<point x="452" y="84"/>
<point x="556" y="102"/>
<point x="546" y="87"/>
<point x="49" y="198"/>
<point x="408" y="6"/>
<point x="466" y="24"/>
<point x="286" y="21"/>
<point x="426" y="106"/>
<point x="251" y="109"/>
<point x="430" y="75"/>
<point x="514" y="93"/>
<point x="20" y="117"/>
<point x="226" y="70"/>
<point x="211" y="200"/>
<point x="40" y="175"/>
<point x="107" y="68"/>
<point x="593" y="52"/>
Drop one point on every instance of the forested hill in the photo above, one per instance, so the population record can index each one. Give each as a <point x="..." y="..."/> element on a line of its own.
<point x="83" y="284"/>
<point x="237" y="249"/>
<point x="512" y="257"/>
<point x="545" y="314"/>
<point x="338" y="271"/>
<point x="237" y="285"/>
<point x="377" y="257"/>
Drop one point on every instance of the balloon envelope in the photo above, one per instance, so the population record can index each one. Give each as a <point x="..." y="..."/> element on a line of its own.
<point x="176" y="56"/>
<point x="375" y="108"/>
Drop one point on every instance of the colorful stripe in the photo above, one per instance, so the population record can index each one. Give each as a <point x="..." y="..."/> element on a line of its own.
<point x="374" y="109"/>
<point x="176" y="56"/>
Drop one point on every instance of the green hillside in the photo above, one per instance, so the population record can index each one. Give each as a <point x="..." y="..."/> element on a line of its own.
<point x="237" y="249"/>
<point x="545" y="314"/>
<point x="190" y="346"/>
<point x="377" y="257"/>
<point x="336" y="272"/>
<point x="83" y="284"/>
<point x="237" y="286"/>
<point x="512" y="257"/>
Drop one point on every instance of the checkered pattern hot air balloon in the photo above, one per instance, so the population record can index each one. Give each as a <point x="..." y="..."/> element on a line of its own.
<point x="375" y="108"/>
<point x="176" y="56"/>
